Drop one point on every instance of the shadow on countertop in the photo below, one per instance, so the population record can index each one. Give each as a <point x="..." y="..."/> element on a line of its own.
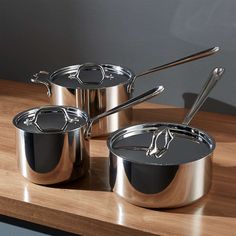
<point x="210" y="105"/>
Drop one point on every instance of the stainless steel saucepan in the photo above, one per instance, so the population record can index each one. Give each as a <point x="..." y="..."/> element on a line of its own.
<point x="98" y="88"/>
<point x="163" y="165"/>
<point x="52" y="142"/>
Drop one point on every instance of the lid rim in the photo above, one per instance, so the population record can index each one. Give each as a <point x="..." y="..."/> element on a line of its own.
<point x="117" y="134"/>
<point x="129" y="72"/>
<point x="24" y="113"/>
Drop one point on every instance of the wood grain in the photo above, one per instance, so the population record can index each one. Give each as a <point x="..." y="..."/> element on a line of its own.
<point x="88" y="207"/>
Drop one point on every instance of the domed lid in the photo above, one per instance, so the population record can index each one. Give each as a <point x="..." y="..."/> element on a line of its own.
<point x="50" y="119"/>
<point x="91" y="76"/>
<point x="161" y="144"/>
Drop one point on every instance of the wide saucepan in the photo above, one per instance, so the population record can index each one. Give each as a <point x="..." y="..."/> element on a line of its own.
<point x="163" y="165"/>
<point x="52" y="142"/>
<point x="98" y="88"/>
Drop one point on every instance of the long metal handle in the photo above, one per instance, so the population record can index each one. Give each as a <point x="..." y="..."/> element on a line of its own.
<point x="214" y="77"/>
<point x="36" y="80"/>
<point x="131" y="102"/>
<point x="183" y="60"/>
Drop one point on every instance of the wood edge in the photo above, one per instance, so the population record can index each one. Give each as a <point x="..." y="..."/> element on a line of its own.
<point x="63" y="220"/>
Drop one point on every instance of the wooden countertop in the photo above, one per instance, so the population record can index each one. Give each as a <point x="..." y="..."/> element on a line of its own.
<point x="87" y="206"/>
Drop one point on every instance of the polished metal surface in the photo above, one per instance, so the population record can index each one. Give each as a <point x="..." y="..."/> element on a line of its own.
<point x="49" y="155"/>
<point x="131" y="102"/>
<point x="111" y="86"/>
<point x="97" y="101"/>
<point x="52" y="112"/>
<point x="153" y="149"/>
<point x="214" y="77"/>
<point x="151" y="171"/>
<point x="90" y="67"/>
<point x="183" y="60"/>
<point x="95" y="98"/>
<point x="180" y="177"/>
<point x="52" y="142"/>
<point x="52" y="158"/>
<point x="47" y="119"/>
<point x="189" y="144"/>
<point x="91" y="76"/>
<point x="156" y="186"/>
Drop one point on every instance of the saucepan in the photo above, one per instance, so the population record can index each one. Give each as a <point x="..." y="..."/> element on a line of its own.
<point x="163" y="165"/>
<point x="52" y="141"/>
<point x="97" y="88"/>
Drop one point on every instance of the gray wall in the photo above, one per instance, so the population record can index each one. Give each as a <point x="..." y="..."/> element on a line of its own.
<point x="139" y="34"/>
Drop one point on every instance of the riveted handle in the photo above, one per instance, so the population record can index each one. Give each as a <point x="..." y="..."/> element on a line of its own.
<point x="36" y="80"/>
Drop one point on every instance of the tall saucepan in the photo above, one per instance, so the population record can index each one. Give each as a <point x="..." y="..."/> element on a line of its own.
<point x="163" y="165"/>
<point x="98" y="88"/>
<point x="52" y="141"/>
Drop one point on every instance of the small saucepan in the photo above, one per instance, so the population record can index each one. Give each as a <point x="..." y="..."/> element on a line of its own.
<point x="163" y="165"/>
<point x="97" y="88"/>
<point x="52" y="141"/>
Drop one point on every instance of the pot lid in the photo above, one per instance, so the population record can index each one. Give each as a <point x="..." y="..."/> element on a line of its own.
<point x="50" y="119"/>
<point x="91" y="76"/>
<point x="161" y="144"/>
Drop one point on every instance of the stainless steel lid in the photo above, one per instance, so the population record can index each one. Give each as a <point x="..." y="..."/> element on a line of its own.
<point x="50" y="119"/>
<point x="91" y="76"/>
<point x="181" y="144"/>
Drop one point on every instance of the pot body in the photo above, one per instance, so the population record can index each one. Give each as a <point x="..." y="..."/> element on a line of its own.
<point x="94" y="102"/>
<point x="160" y="186"/>
<point x="52" y="158"/>
<point x="178" y="177"/>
